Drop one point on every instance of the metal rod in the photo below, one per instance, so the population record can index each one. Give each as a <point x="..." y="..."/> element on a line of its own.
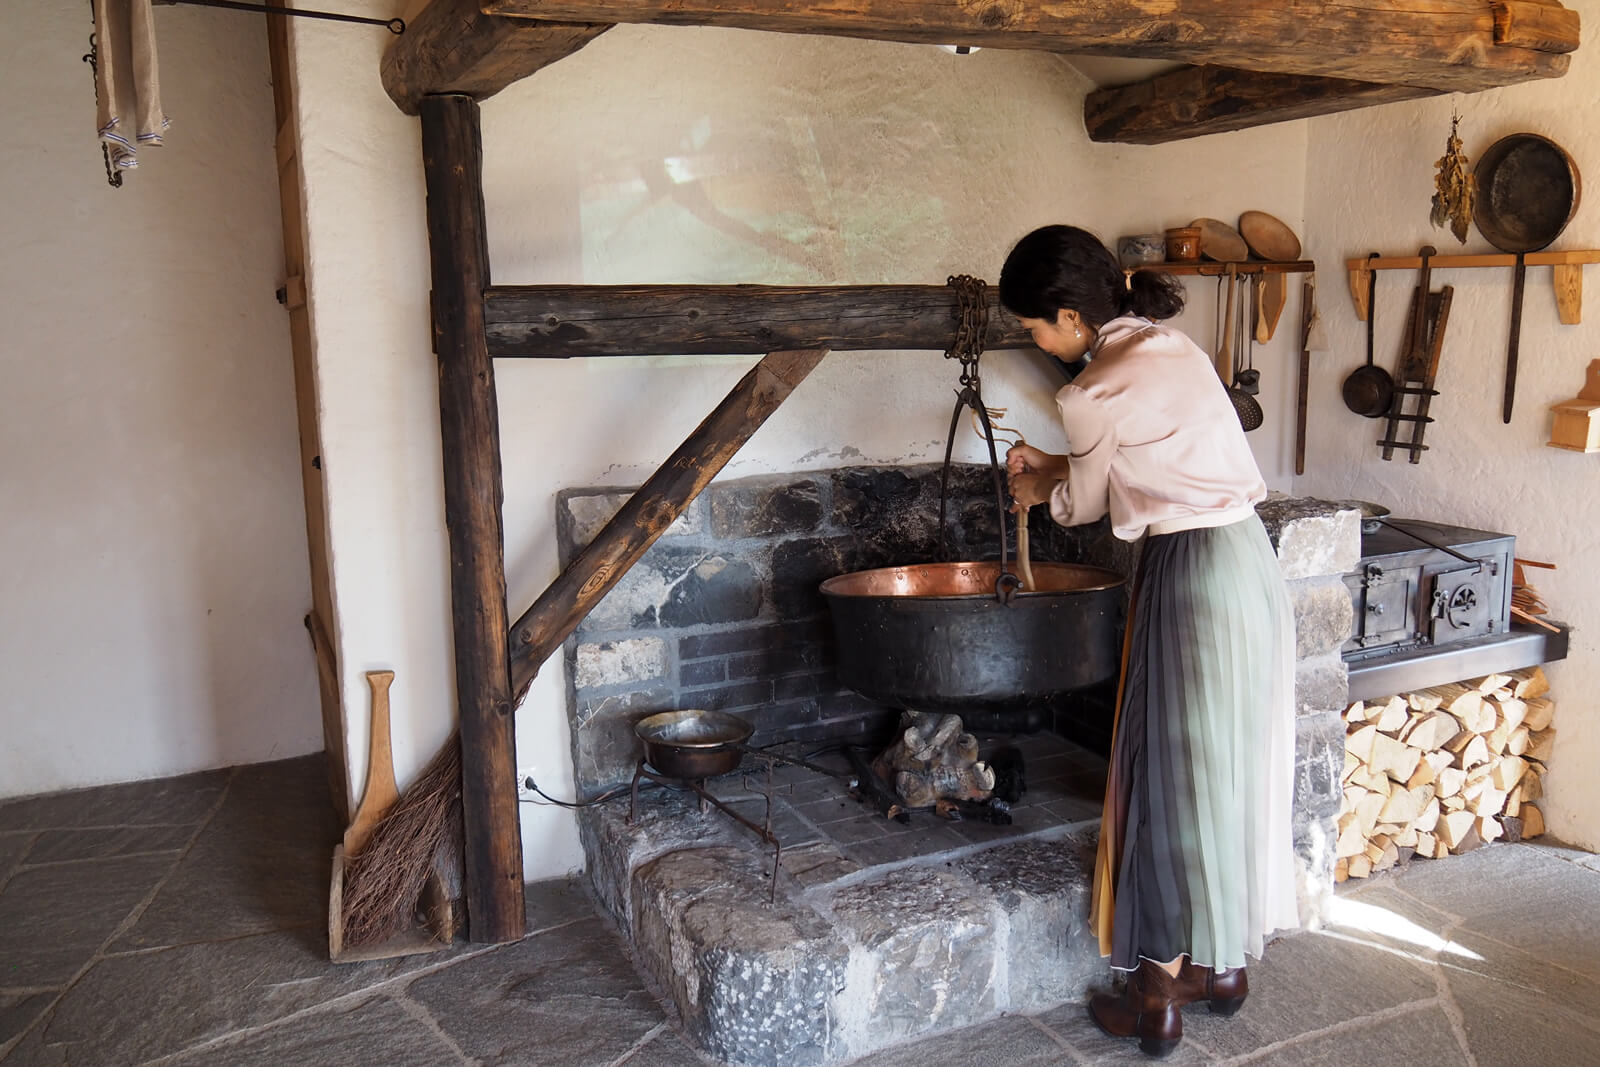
<point x="395" y="26"/>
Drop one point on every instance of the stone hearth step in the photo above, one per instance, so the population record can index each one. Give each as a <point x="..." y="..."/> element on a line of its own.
<point x="848" y="958"/>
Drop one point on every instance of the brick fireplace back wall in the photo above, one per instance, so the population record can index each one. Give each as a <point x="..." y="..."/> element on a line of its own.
<point x="723" y="611"/>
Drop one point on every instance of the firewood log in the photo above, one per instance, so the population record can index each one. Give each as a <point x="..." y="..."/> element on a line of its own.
<point x="1541" y="744"/>
<point x="1432" y="731"/>
<point x="1531" y="683"/>
<point x="1392" y="715"/>
<point x="1360" y="867"/>
<point x="1428" y="819"/>
<point x="1454" y="827"/>
<point x="1532" y="821"/>
<point x="1539" y="713"/>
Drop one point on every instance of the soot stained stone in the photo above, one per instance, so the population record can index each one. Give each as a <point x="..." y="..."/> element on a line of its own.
<point x="863" y="495"/>
<point x="798" y="567"/>
<point x="715" y="590"/>
<point x="761" y="511"/>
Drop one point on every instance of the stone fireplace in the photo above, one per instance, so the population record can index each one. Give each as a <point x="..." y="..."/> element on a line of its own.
<point x="867" y="932"/>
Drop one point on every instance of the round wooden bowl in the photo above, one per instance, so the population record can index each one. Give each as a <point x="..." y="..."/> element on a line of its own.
<point x="1268" y="238"/>
<point x="1220" y="242"/>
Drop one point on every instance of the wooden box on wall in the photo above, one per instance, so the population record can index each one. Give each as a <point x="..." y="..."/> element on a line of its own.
<point x="1576" y="422"/>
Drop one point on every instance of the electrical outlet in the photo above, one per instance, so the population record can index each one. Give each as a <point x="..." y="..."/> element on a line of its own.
<point x="524" y="791"/>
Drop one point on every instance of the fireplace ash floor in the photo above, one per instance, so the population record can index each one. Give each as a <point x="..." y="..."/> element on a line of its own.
<point x="181" y="921"/>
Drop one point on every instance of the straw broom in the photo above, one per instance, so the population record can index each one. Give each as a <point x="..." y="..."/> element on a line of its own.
<point x="383" y="883"/>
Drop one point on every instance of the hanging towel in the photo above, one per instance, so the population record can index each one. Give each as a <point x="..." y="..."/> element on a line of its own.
<point x="127" y="88"/>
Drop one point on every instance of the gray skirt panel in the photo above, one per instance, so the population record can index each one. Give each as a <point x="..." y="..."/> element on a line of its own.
<point x="1201" y="748"/>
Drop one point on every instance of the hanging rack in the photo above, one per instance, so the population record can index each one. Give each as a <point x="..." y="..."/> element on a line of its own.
<point x="394" y="26"/>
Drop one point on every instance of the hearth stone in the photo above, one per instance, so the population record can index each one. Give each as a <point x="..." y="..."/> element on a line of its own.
<point x="880" y="932"/>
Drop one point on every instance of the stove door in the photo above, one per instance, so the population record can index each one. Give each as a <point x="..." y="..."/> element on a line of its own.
<point x="1461" y="604"/>
<point x="1383" y="602"/>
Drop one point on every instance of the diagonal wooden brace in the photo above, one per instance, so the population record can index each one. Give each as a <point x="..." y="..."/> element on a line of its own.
<point x="653" y="508"/>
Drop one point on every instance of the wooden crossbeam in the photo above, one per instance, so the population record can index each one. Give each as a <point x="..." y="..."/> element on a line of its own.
<point x="557" y="321"/>
<point x="453" y="47"/>
<point x="652" y="509"/>
<point x="1200" y="100"/>
<point x="1446" y="45"/>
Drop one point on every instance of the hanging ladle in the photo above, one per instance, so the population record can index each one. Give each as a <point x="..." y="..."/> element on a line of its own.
<point x="1369" y="389"/>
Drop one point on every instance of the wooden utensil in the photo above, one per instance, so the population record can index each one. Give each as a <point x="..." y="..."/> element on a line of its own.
<point x="1268" y="237"/>
<point x="1528" y="191"/>
<point x="1224" y="353"/>
<point x="1270" y="299"/>
<point x="380" y="793"/>
<point x="1308" y="312"/>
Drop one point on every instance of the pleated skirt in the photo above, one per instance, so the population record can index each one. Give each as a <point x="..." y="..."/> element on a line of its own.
<point x="1196" y="852"/>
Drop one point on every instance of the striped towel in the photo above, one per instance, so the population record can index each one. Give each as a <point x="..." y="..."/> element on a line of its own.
<point x="127" y="88"/>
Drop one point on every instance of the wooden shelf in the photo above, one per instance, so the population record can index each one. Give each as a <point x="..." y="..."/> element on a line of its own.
<point x="1566" y="274"/>
<point x="1242" y="267"/>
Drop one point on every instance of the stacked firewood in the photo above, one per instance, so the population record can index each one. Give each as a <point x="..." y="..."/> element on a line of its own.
<point x="1443" y="770"/>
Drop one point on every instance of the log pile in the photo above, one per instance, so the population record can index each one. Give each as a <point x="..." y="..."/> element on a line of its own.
<point x="1443" y="770"/>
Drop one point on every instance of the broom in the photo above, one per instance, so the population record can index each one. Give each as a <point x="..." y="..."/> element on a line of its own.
<point x="384" y="881"/>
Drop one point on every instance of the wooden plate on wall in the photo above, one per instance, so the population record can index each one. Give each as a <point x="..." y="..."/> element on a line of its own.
<point x="1219" y="241"/>
<point x="1268" y="237"/>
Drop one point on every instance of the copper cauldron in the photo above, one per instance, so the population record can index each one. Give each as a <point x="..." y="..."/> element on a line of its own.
<point x="936" y="637"/>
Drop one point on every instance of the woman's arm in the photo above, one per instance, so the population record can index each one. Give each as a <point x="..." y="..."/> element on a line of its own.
<point x="1025" y="459"/>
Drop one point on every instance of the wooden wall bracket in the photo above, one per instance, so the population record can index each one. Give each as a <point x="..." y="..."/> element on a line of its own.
<point x="1566" y="274"/>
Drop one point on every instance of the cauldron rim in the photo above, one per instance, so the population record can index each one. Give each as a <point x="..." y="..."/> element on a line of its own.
<point x="864" y="584"/>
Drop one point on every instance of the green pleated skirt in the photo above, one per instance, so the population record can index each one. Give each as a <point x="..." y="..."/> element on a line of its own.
<point x="1196" y="842"/>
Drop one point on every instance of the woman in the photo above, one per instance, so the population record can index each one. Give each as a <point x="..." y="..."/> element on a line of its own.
<point x="1195" y="865"/>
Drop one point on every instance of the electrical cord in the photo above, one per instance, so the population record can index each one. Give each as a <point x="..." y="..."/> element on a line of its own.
<point x="601" y="799"/>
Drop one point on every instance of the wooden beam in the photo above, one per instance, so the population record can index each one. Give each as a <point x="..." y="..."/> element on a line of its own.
<point x="452" y="47"/>
<point x="1448" y="45"/>
<point x="649" y="512"/>
<point x="469" y="429"/>
<point x="637" y="320"/>
<point x="1201" y="100"/>
<point x="1538" y="24"/>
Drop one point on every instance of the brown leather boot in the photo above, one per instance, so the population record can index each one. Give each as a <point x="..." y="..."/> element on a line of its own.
<point x="1145" y="1009"/>
<point x="1225" y="989"/>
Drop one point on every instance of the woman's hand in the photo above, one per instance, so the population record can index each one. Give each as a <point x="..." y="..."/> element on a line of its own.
<point x="1025" y="459"/>
<point x="1030" y="489"/>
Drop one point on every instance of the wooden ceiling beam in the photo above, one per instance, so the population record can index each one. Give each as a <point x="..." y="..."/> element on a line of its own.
<point x="1446" y="45"/>
<point x="1199" y="100"/>
<point x="453" y="47"/>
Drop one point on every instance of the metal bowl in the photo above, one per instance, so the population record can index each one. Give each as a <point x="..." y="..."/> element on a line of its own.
<point x="696" y="743"/>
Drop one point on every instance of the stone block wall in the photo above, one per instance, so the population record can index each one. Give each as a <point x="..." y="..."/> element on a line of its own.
<point x="723" y="611"/>
<point x="1318" y="543"/>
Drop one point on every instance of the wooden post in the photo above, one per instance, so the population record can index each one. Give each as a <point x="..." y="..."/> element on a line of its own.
<point x="649" y="512"/>
<point x="452" y="156"/>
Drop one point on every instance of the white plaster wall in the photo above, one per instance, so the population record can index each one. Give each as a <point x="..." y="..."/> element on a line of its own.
<point x="151" y="521"/>
<point x="1369" y="177"/>
<point x="693" y="155"/>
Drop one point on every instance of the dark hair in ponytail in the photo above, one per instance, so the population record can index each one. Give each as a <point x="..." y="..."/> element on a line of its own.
<point x="1063" y="267"/>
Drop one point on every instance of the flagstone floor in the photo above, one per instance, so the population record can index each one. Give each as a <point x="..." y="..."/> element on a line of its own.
<point x="181" y="922"/>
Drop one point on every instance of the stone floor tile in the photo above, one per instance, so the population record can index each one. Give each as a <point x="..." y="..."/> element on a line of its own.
<point x="666" y="1048"/>
<point x="1559" y="987"/>
<point x="53" y="919"/>
<point x="378" y="1031"/>
<point x="186" y="799"/>
<point x="1088" y="1044"/>
<point x="31" y="1051"/>
<point x="1308" y="982"/>
<point x="98" y="842"/>
<point x="1010" y="1041"/>
<point x="1508" y="1025"/>
<point x="264" y="861"/>
<point x="567" y="997"/>
<point x="19" y="1011"/>
<point x="146" y="1005"/>
<point x="556" y="902"/>
<point x="13" y="847"/>
<point x="1422" y="1036"/>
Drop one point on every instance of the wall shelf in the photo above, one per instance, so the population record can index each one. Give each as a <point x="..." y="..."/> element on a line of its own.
<point x="1242" y="267"/>
<point x="1566" y="274"/>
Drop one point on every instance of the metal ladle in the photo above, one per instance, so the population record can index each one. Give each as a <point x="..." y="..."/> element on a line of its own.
<point x="1369" y="389"/>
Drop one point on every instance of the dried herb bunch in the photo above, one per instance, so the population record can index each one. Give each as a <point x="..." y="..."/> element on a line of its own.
<point x="1455" y="189"/>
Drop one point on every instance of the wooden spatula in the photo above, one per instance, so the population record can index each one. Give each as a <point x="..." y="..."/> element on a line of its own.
<point x="1271" y="296"/>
